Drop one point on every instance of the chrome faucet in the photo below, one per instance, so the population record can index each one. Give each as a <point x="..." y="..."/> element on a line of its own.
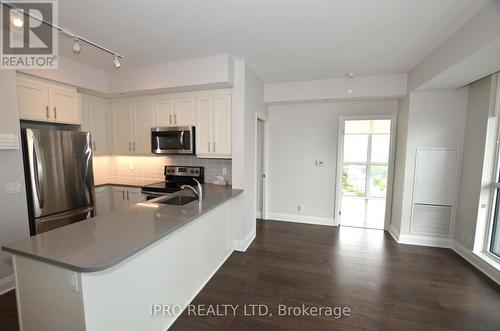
<point x="198" y="193"/>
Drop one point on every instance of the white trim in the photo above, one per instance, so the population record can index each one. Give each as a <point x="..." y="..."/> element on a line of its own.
<point x="422" y="240"/>
<point x="258" y="214"/>
<point x="302" y="219"/>
<point x="262" y="117"/>
<point x="394" y="233"/>
<point x="390" y="163"/>
<point x="198" y="291"/>
<point x="477" y="262"/>
<point x="7" y="284"/>
<point x="242" y="245"/>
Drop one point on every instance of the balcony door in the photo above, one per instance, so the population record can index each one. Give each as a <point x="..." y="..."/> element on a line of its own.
<point x="364" y="171"/>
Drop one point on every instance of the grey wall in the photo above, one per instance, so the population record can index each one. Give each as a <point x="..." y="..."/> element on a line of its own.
<point x="478" y="113"/>
<point x="14" y="214"/>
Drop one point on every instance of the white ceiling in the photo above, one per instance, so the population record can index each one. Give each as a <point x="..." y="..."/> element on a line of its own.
<point x="282" y="40"/>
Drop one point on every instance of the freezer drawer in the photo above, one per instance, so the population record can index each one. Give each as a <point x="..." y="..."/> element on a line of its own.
<point x="47" y="223"/>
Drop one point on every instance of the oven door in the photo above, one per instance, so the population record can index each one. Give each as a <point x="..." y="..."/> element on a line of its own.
<point x="172" y="140"/>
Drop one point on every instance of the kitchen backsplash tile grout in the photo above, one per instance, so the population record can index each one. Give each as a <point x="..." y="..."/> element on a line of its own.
<point x="151" y="167"/>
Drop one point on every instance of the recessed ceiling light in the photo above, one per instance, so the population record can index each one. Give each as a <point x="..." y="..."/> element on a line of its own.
<point x="16" y="17"/>
<point x="349" y="74"/>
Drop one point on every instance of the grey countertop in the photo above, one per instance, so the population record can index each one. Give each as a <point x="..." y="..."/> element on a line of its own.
<point x="104" y="241"/>
<point x="121" y="181"/>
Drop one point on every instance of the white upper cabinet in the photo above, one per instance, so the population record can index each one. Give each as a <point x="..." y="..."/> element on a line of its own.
<point x="184" y="111"/>
<point x="175" y="112"/>
<point x="203" y="125"/>
<point x="144" y="120"/>
<point x="132" y="123"/>
<point x="122" y="128"/>
<point x="47" y="102"/>
<point x="221" y="125"/>
<point x="95" y="119"/>
<point x="213" y="126"/>
<point x="164" y="112"/>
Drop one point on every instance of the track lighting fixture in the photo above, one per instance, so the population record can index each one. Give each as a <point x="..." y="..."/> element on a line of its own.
<point x="17" y="19"/>
<point x="116" y="62"/>
<point x="77" y="46"/>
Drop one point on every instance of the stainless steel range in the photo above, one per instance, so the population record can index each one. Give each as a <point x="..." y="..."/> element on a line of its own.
<point x="175" y="177"/>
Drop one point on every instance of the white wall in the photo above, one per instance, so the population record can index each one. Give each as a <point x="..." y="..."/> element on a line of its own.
<point x="300" y="134"/>
<point x="436" y="119"/>
<point x="399" y="164"/>
<point x="248" y="99"/>
<point x="478" y="115"/>
<point x="14" y="218"/>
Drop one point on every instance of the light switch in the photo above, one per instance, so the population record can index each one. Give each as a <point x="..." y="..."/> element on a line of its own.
<point x="13" y="188"/>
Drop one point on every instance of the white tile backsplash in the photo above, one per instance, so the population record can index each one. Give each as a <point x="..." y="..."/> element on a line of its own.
<point x="151" y="167"/>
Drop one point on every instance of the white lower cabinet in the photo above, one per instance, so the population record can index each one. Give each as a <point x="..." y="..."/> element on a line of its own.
<point x="102" y="201"/>
<point x="125" y="196"/>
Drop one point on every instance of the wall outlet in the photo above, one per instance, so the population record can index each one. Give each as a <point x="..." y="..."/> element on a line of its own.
<point x="224" y="171"/>
<point x="73" y="281"/>
<point x="13" y="188"/>
<point x="300" y="208"/>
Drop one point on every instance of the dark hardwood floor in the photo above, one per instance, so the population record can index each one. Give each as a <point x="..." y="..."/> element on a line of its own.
<point x="386" y="286"/>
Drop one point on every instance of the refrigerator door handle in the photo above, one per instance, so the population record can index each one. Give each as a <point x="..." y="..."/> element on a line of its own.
<point x="65" y="215"/>
<point x="36" y="170"/>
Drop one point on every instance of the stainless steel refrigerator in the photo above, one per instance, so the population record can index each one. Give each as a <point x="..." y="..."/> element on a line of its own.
<point x="59" y="177"/>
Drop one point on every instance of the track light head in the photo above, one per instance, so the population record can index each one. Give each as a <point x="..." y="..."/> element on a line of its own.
<point x="116" y="62"/>
<point x="17" y="19"/>
<point x="77" y="46"/>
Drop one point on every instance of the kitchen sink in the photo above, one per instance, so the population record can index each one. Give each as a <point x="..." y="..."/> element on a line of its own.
<point x="179" y="200"/>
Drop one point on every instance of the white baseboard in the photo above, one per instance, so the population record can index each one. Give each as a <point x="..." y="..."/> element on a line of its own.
<point x="242" y="245"/>
<point x="258" y="214"/>
<point x="423" y="240"/>
<point x="394" y="233"/>
<point x="477" y="262"/>
<point x="301" y="219"/>
<point x="7" y="284"/>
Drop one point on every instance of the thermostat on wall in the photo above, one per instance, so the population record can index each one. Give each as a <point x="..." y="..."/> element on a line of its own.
<point x="320" y="163"/>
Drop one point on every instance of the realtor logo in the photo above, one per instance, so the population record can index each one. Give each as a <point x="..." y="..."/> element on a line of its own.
<point x="28" y="39"/>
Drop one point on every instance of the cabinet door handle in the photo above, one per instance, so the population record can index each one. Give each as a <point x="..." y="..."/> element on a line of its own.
<point x="93" y="143"/>
<point x="209" y="146"/>
<point x="133" y="146"/>
<point x="123" y="195"/>
<point x="170" y="118"/>
<point x="47" y="111"/>
<point x="175" y="118"/>
<point x="128" y="196"/>
<point x="55" y="113"/>
<point x="129" y="147"/>
<point x="213" y="146"/>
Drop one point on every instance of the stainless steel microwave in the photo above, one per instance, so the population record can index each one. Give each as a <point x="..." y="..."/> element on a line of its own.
<point x="173" y="140"/>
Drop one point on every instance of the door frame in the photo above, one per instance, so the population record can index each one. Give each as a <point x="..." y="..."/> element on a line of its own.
<point x="264" y="118"/>
<point x="340" y="161"/>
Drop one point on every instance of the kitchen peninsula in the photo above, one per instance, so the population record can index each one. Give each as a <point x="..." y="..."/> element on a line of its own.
<point x="104" y="273"/>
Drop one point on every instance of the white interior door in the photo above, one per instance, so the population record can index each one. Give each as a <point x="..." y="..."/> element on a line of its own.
<point x="364" y="172"/>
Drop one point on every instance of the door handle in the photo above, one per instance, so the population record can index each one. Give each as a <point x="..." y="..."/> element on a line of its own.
<point x="93" y="143"/>
<point x="213" y="145"/>
<point x="47" y="111"/>
<point x="55" y="113"/>
<point x="129" y="147"/>
<point x="175" y="118"/>
<point x="123" y="195"/>
<point x="133" y="146"/>
<point x="128" y="196"/>
<point x="170" y="118"/>
<point x="209" y="146"/>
